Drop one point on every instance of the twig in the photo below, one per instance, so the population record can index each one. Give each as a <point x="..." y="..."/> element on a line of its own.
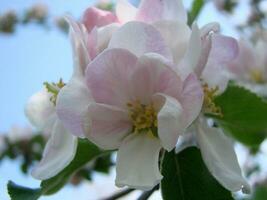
<point x="145" y="195"/>
<point x="119" y="194"/>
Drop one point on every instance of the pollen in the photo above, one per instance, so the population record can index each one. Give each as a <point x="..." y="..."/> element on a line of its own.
<point x="54" y="88"/>
<point x="256" y="75"/>
<point x="144" y="118"/>
<point x="209" y="105"/>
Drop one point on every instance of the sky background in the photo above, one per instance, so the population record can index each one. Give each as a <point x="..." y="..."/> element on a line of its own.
<point x="33" y="55"/>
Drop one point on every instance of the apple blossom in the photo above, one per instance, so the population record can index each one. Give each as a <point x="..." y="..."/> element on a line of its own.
<point x="217" y="52"/>
<point x="17" y="133"/>
<point x="249" y="69"/>
<point x="130" y="104"/>
<point x="41" y="111"/>
<point x="141" y="105"/>
<point x="138" y="103"/>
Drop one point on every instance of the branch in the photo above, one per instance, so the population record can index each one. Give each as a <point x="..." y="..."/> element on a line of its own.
<point x="119" y="194"/>
<point x="145" y="195"/>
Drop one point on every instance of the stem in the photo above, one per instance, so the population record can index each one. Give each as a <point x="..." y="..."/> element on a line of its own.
<point x="145" y="195"/>
<point x="119" y="194"/>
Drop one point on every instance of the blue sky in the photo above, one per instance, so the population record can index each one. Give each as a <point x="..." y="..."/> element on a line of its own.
<point x="33" y="55"/>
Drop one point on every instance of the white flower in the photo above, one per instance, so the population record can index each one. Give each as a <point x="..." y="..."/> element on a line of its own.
<point x="17" y="133"/>
<point x="216" y="148"/>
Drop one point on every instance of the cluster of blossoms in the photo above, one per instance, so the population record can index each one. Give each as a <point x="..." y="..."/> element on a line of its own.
<point x="142" y="81"/>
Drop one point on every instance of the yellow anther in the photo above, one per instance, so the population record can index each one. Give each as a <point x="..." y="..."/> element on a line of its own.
<point x="256" y="75"/>
<point x="209" y="105"/>
<point x="144" y="117"/>
<point x="54" y="88"/>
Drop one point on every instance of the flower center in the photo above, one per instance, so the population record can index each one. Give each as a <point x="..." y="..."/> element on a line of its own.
<point x="144" y="117"/>
<point x="54" y="88"/>
<point x="256" y="75"/>
<point x="209" y="105"/>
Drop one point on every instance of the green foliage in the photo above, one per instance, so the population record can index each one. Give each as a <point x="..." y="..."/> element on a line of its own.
<point x="29" y="149"/>
<point x="195" y="10"/>
<point x="17" y="192"/>
<point x="187" y="178"/>
<point x="86" y="152"/>
<point x="244" y="115"/>
<point x="260" y="193"/>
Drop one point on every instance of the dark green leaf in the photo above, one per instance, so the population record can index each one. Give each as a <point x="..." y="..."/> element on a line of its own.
<point x="195" y="10"/>
<point x="244" y="115"/>
<point x="260" y="193"/>
<point x="86" y="152"/>
<point x="186" y="177"/>
<point x="17" y="192"/>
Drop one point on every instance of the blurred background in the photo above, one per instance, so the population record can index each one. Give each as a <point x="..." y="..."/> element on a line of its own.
<point x="34" y="48"/>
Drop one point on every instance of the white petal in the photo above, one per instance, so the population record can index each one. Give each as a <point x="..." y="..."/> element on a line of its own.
<point x="170" y="120"/>
<point x="193" y="53"/>
<point x="59" y="152"/>
<point x="72" y="103"/>
<point x="140" y="38"/>
<point x="137" y="162"/>
<point x="154" y="10"/>
<point x="219" y="155"/>
<point x="78" y="37"/>
<point x="104" y="35"/>
<point x="108" y="125"/>
<point x="125" y="11"/>
<point x="170" y="30"/>
<point x="41" y="111"/>
<point x="223" y="51"/>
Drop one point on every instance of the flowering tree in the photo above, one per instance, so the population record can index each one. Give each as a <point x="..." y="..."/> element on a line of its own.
<point x="168" y="97"/>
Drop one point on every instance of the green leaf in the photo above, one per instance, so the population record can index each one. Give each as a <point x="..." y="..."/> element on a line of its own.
<point x="86" y="152"/>
<point x="186" y="177"/>
<point x="17" y="192"/>
<point x="260" y="193"/>
<point x="195" y="10"/>
<point x="244" y="115"/>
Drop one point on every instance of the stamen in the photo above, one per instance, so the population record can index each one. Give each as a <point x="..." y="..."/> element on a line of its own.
<point x="144" y="118"/>
<point x="256" y="75"/>
<point x="54" y="89"/>
<point x="209" y="105"/>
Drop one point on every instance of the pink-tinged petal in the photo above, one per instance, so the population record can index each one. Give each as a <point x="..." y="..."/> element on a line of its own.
<point x="41" y="111"/>
<point x="191" y="99"/>
<point x="140" y="38"/>
<point x="78" y="36"/>
<point x="210" y="27"/>
<point x="72" y="102"/>
<point x="125" y="11"/>
<point x="99" y="38"/>
<point x="108" y="76"/>
<point x="206" y="41"/>
<point x="94" y="17"/>
<point x="170" y="120"/>
<point x="223" y="51"/>
<point x="219" y="156"/>
<point x="169" y="29"/>
<point x="245" y="59"/>
<point x="92" y="43"/>
<point x="58" y="153"/>
<point x="106" y="125"/>
<point x="193" y="53"/>
<point x="155" y="10"/>
<point x="137" y="162"/>
<point x="152" y="75"/>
